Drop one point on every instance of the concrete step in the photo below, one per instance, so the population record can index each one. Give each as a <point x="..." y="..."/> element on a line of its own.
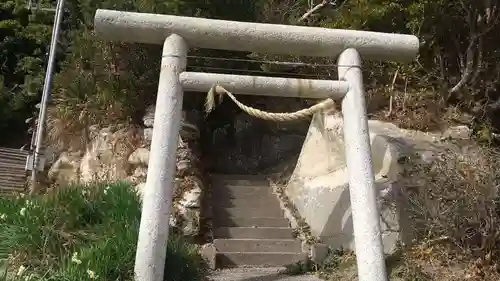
<point x="270" y="200"/>
<point x="250" y="222"/>
<point x="254" y="232"/>
<point x="258" y="245"/>
<point x="257" y="259"/>
<point x="272" y="211"/>
<point x="244" y="180"/>
<point x="242" y="192"/>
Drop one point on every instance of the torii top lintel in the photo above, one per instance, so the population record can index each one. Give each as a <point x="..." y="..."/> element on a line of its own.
<point x="253" y="37"/>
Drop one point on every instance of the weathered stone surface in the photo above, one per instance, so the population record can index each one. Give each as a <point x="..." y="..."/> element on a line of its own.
<point x="250" y="145"/>
<point x="66" y="169"/>
<point x="189" y="121"/>
<point x="148" y="135"/>
<point x="139" y="157"/>
<point x="208" y="252"/>
<point x="106" y="158"/>
<point x="139" y="188"/>
<point x="182" y="166"/>
<point x="190" y="221"/>
<point x="189" y="193"/>
<point x="138" y="175"/>
<point x="149" y="117"/>
<point x="122" y="153"/>
<point x="318" y="186"/>
<point x="458" y="132"/>
<point x="192" y="198"/>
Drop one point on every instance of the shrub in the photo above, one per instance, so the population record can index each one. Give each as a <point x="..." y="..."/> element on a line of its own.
<point x="454" y="210"/>
<point x="82" y="232"/>
<point x="459" y="199"/>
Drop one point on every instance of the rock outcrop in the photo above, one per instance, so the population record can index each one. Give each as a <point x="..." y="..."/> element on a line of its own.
<point x="318" y="186"/>
<point x="122" y="153"/>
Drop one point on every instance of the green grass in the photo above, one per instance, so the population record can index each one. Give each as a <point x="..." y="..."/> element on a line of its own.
<point x="79" y="232"/>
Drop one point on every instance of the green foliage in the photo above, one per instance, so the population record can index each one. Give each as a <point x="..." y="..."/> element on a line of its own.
<point x="98" y="82"/>
<point x="453" y="35"/>
<point x="80" y="231"/>
<point x="300" y="267"/>
<point x="24" y="40"/>
<point x="183" y="261"/>
<point x="103" y="83"/>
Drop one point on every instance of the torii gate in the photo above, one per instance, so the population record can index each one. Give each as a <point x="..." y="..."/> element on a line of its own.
<point x="177" y="34"/>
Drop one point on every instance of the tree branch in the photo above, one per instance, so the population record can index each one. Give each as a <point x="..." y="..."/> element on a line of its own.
<point x="479" y="65"/>
<point x="461" y="59"/>
<point x="469" y="53"/>
<point x="392" y="93"/>
<point x="442" y="66"/>
<point x="314" y="9"/>
<point x="469" y="67"/>
<point x="471" y="73"/>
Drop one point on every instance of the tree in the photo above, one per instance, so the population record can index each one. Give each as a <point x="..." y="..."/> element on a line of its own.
<point x="24" y="38"/>
<point x="105" y="83"/>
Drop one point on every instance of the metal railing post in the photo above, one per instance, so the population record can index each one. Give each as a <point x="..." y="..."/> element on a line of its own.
<point x="47" y="87"/>
<point x="157" y="200"/>
<point x="365" y="211"/>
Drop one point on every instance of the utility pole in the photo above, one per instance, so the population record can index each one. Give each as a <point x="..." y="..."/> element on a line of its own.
<point x="47" y="87"/>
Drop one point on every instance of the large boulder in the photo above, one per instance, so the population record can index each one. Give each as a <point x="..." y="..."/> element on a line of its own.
<point x="139" y="157"/>
<point x="149" y="116"/>
<point x="189" y="184"/>
<point x="106" y="158"/>
<point x="122" y="152"/>
<point x="66" y="169"/>
<point x="319" y="189"/>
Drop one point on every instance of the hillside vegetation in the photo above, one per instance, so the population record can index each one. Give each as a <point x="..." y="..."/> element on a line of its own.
<point x="82" y="233"/>
<point x="454" y="79"/>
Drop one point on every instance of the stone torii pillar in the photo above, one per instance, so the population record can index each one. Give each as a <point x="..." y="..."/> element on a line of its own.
<point x="178" y="33"/>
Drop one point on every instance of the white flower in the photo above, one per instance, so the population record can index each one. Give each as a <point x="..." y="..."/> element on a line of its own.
<point x="84" y="192"/>
<point x="75" y="259"/>
<point x="3" y="216"/>
<point x="29" y="203"/>
<point x="106" y="189"/>
<point x="21" y="270"/>
<point x="23" y="211"/>
<point x="91" y="274"/>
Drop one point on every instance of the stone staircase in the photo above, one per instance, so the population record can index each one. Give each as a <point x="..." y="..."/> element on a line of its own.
<point x="250" y="229"/>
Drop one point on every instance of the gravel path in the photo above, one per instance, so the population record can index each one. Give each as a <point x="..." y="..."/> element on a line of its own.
<point x="257" y="274"/>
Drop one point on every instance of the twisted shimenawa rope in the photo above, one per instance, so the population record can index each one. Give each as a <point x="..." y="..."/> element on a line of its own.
<point x="278" y="117"/>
